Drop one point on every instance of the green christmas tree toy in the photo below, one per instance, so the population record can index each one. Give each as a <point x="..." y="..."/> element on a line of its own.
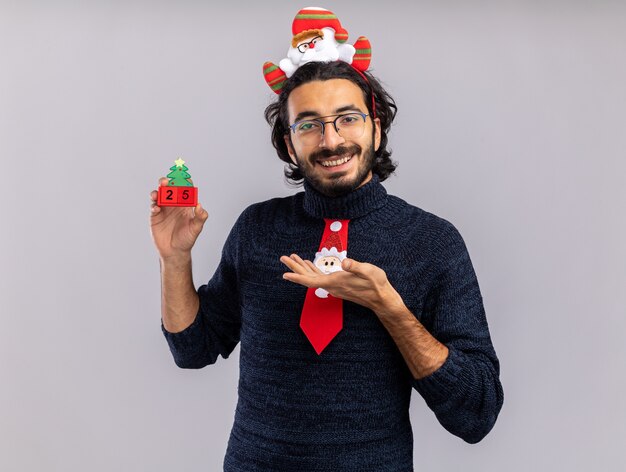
<point x="179" y="191"/>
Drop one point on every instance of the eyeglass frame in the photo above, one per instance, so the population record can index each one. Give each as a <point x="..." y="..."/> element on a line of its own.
<point x="334" y="122"/>
<point x="308" y="44"/>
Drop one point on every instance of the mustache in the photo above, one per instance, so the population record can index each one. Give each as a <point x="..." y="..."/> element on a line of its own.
<point x="338" y="151"/>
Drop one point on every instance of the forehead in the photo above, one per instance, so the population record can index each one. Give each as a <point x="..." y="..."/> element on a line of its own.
<point x="324" y="97"/>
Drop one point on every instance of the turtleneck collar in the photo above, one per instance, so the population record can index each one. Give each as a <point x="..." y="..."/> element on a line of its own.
<point x="359" y="202"/>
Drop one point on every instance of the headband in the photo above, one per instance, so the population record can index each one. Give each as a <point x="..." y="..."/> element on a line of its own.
<point x="318" y="37"/>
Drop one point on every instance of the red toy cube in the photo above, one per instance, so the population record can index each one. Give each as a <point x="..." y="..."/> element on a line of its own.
<point x="177" y="196"/>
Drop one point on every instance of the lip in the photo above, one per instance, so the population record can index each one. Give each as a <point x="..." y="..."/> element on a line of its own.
<point x="336" y="168"/>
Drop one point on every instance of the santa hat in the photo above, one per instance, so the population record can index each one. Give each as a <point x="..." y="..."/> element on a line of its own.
<point x="315" y="18"/>
<point x="332" y="245"/>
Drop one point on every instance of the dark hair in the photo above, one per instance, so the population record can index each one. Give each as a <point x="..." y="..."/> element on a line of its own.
<point x="278" y="118"/>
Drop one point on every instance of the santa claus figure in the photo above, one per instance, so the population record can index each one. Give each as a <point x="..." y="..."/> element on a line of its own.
<point x="328" y="258"/>
<point x="317" y="36"/>
<point x="315" y="45"/>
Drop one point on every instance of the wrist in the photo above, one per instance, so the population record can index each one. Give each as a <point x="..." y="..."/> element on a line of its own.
<point x="433" y="361"/>
<point x="390" y="304"/>
<point x="178" y="260"/>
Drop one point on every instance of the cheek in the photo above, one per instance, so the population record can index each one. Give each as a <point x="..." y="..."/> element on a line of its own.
<point x="303" y="155"/>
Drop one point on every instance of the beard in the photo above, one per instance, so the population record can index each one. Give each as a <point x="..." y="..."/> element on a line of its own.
<point x="336" y="185"/>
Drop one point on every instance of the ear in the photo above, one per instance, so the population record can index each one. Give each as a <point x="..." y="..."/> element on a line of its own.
<point x="290" y="150"/>
<point x="376" y="133"/>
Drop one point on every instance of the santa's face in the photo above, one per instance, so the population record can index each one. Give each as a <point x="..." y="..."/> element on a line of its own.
<point x="326" y="99"/>
<point x="315" y="48"/>
<point x="328" y="264"/>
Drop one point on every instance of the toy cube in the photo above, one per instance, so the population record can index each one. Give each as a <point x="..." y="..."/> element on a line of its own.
<point x="177" y="196"/>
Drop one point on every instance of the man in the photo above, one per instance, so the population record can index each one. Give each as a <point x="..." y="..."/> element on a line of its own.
<point x="412" y="314"/>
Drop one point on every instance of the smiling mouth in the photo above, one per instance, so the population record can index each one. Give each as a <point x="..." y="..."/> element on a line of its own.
<point x="328" y="163"/>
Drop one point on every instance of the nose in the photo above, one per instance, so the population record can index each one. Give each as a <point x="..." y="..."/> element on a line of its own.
<point x="312" y="46"/>
<point x="331" y="138"/>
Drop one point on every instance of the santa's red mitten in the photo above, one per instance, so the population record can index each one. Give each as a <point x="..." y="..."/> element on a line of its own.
<point x="274" y="76"/>
<point x="363" y="54"/>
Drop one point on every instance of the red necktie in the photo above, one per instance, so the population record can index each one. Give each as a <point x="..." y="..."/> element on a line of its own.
<point x="322" y="314"/>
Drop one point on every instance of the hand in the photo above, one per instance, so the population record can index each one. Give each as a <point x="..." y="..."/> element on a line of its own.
<point x="358" y="282"/>
<point x="175" y="229"/>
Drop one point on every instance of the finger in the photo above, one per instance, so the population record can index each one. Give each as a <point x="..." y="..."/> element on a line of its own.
<point x="200" y="215"/>
<point x="313" y="267"/>
<point x="163" y="181"/>
<point x="301" y="279"/>
<point x="362" y="269"/>
<point x="307" y="265"/>
<point x="154" y="195"/>
<point x="299" y="260"/>
<point x="288" y="262"/>
<point x="155" y="209"/>
<point x="293" y="265"/>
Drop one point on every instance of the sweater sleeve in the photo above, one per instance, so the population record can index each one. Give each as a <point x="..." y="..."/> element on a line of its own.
<point x="216" y="328"/>
<point x="465" y="393"/>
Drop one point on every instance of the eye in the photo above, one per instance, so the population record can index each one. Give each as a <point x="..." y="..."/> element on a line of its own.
<point x="307" y="126"/>
<point x="332" y="263"/>
<point x="349" y="119"/>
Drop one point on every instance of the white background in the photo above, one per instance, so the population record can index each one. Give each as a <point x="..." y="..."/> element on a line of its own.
<point x="511" y="125"/>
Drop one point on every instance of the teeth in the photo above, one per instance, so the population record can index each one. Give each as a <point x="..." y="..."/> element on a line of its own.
<point x="337" y="162"/>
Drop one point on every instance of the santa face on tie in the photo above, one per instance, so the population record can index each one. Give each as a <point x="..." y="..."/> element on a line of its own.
<point x="328" y="264"/>
<point x="328" y="258"/>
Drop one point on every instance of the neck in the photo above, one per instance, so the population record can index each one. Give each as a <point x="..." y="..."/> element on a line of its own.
<point x="368" y="197"/>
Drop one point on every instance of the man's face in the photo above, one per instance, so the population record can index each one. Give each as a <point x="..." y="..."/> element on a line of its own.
<point x="327" y="99"/>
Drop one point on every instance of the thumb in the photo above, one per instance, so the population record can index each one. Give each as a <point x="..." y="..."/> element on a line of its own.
<point x="200" y="215"/>
<point x="350" y="265"/>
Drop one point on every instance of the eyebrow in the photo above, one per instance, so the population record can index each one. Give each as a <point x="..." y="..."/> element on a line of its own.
<point x="315" y="114"/>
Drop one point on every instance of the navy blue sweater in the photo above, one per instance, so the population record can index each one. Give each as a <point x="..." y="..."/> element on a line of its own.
<point x="348" y="408"/>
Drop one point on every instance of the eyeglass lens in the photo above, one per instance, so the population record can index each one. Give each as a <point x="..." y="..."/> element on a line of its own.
<point x="348" y="126"/>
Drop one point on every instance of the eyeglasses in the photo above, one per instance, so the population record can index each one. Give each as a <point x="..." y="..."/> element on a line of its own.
<point x="347" y="125"/>
<point x="304" y="46"/>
